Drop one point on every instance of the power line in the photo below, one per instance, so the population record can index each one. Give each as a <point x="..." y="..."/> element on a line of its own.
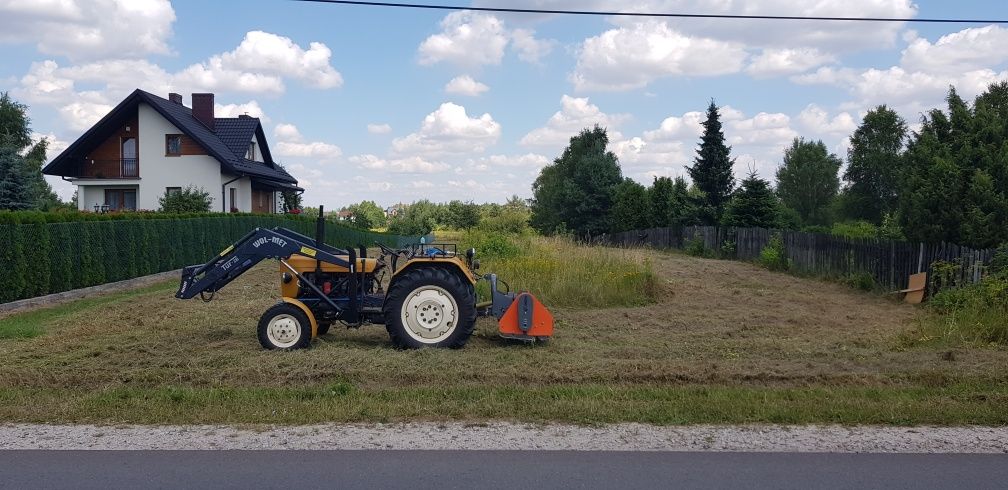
<point x="655" y="14"/>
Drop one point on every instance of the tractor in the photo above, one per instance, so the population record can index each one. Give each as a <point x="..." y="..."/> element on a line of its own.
<point x="430" y="300"/>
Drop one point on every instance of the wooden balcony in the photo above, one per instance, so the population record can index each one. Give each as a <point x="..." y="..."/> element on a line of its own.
<point x="120" y="168"/>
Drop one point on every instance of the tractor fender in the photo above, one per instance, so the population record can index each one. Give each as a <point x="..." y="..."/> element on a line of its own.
<point x="307" y="312"/>
<point x="452" y="264"/>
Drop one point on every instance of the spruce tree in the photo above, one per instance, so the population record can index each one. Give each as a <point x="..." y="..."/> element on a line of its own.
<point x="712" y="168"/>
<point x="754" y="205"/>
<point x="14" y="193"/>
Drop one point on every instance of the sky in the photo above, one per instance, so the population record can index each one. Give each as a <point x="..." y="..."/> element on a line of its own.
<point x="395" y="105"/>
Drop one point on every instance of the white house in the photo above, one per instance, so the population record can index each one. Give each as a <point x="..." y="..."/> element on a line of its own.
<point x="149" y="145"/>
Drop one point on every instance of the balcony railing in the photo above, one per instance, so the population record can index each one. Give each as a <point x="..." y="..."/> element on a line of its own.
<point x="119" y="168"/>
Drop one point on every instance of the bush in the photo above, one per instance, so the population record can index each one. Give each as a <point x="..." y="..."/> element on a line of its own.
<point x="491" y="244"/>
<point x="860" y="280"/>
<point x="189" y="200"/>
<point x="855" y="229"/>
<point x="695" y="246"/>
<point x="773" y="256"/>
<point x="728" y="249"/>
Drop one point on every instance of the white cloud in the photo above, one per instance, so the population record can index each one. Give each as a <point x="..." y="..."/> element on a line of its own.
<point x="408" y="165"/>
<point x="472" y="39"/>
<point x="465" y="85"/>
<point x="816" y="120"/>
<point x="260" y="63"/>
<point x="449" y="130"/>
<point x="379" y="128"/>
<point x="778" y="62"/>
<point x="250" y="108"/>
<point x="290" y="143"/>
<point x="468" y="39"/>
<point x="632" y="56"/>
<point x="89" y="29"/>
<point x="574" y="115"/>
<point x="495" y="163"/>
<point x="530" y="49"/>
<point x="964" y="51"/>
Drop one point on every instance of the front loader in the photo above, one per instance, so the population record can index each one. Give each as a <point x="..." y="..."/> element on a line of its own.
<point x="430" y="301"/>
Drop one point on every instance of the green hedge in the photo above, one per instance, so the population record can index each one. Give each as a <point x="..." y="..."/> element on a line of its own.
<point x="51" y="252"/>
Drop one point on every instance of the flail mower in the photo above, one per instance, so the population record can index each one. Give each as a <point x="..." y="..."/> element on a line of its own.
<point x="430" y="301"/>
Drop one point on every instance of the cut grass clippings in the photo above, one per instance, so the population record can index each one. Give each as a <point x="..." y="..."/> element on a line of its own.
<point x="719" y="342"/>
<point x="33" y="323"/>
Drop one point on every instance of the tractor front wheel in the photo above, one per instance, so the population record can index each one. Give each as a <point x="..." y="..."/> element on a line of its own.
<point x="284" y="327"/>
<point x="430" y="307"/>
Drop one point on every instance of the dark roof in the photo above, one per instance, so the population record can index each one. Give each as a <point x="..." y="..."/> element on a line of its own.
<point x="228" y="144"/>
<point x="236" y="132"/>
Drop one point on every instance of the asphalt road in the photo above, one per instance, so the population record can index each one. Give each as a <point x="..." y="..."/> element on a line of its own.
<point x="494" y="469"/>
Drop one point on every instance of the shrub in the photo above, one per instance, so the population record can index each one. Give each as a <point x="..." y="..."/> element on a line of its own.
<point x="695" y="246"/>
<point x="728" y="249"/>
<point x="191" y="199"/>
<point x="773" y="256"/>
<point x="860" y="280"/>
<point x="855" y="229"/>
<point x="491" y="244"/>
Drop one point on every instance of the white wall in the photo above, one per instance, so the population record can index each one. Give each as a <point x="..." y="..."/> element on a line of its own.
<point x="158" y="171"/>
<point x="88" y="196"/>
<point x="243" y="195"/>
<point x="258" y="155"/>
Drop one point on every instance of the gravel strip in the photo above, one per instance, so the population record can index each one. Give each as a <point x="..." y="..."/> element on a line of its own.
<point x="503" y="435"/>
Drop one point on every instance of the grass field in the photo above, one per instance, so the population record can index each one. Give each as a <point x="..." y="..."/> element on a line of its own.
<point x="717" y="342"/>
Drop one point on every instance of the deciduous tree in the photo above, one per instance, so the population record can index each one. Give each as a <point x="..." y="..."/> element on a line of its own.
<point x="874" y="165"/>
<point x="807" y="181"/>
<point x="575" y="191"/>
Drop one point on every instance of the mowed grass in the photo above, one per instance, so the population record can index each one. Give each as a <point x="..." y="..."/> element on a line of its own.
<point x="718" y="342"/>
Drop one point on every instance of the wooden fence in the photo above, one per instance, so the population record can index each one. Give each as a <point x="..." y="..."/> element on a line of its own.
<point x="889" y="262"/>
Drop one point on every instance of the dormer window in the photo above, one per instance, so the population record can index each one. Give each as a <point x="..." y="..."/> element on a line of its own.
<point x="251" y="154"/>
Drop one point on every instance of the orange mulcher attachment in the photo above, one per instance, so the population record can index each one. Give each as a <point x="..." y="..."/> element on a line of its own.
<point x="521" y="316"/>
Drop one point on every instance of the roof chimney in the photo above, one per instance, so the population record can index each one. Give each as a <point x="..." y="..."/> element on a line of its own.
<point x="176" y="98"/>
<point x="203" y="109"/>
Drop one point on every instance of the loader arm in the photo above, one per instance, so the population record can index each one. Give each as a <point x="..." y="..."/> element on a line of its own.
<point x="257" y="245"/>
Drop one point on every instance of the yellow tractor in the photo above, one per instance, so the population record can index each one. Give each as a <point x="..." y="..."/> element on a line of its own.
<point x="430" y="302"/>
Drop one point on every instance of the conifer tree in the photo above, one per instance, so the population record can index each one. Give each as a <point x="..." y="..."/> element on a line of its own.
<point x="712" y="168"/>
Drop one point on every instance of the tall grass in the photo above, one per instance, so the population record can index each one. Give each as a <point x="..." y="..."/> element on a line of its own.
<point x="976" y="313"/>
<point x="563" y="273"/>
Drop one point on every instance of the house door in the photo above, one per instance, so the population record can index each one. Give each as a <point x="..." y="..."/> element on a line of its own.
<point x="128" y="163"/>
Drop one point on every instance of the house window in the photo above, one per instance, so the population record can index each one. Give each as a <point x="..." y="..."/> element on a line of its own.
<point x="173" y="144"/>
<point x="120" y="199"/>
<point x="250" y="155"/>
<point x="234" y="200"/>
<point x="171" y="191"/>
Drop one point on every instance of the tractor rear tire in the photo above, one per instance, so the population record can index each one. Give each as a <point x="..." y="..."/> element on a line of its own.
<point x="430" y="306"/>
<point x="284" y="327"/>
